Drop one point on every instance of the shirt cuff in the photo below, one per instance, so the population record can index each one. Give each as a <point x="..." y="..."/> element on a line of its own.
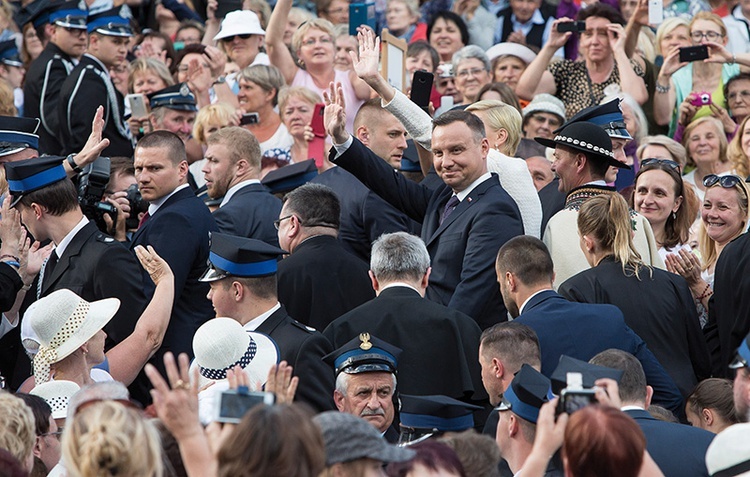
<point x="342" y="148"/>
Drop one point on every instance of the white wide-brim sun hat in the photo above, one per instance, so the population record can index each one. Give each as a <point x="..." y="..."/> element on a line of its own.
<point x="222" y="343"/>
<point x="57" y="394"/>
<point x="521" y="52"/>
<point x="240" y="22"/>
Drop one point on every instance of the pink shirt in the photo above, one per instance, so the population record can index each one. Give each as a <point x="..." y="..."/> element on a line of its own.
<point x="303" y="78"/>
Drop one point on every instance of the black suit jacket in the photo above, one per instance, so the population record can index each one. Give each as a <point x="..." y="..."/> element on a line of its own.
<point x="463" y="248"/>
<point x="678" y="449"/>
<point x="582" y="330"/>
<point x="659" y="308"/>
<point x="80" y="95"/>
<point x="303" y="348"/>
<point x="250" y="213"/>
<point x="321" y="281"/>
<point x="41" y="94"/>
<point x="10" y="285"/>
<point x="729" y="310"/>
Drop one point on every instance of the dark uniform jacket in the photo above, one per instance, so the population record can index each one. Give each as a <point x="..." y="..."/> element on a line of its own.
<point x="250" y="213"/>
<point x="303" y="348"/>
<point x="88" y="87"/>
<point x="658" y="307"/>
<point x="582" y="330"/>
<point x="462" y="249"/>
<point x="41" y="94"/>
<point x="10" y="285"/>
<point x="321" y="281"/>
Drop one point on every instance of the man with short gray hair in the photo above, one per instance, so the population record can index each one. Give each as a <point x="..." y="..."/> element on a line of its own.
<point x="439" y="344"/>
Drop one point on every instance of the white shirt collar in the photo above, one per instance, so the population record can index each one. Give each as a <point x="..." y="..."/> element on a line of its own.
<point x="154" y="206"/>
<point x="255" y="323"/>
<point x="399" y="284"/>
<point x="600" y="182"/>
<point x="536" y="19"/>
<point x="465" y="193"/>
<point x="520" y="310"/>
<point x="235" y="188"/>
<point x="632" y="408"/>
<point x="60" y="248"/>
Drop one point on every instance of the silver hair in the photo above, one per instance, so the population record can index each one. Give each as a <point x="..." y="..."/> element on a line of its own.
<point x="106" y="390"/>
<point x="399" y="256"/>
<point x="342" y="382"/>
<point x="467" y="53"/>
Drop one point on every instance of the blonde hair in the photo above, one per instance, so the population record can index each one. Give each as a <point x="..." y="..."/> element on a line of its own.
<point x="314" y="24"/>
<point x="17" y="429"/>
<point x="711" y="17"/>
<point x="260" y="8"/>
<point x="607" y="219"/>
<point x="108" y="439"/>
<point x="667" y="27"/>
<point x="7" y="105"/>
<point x="217" y="113"/>
<point x="502" y="116"/>
<point x="675" y="149"/>
<point x="300" y="92"/>
<point x="719" y="132"/>
<point x="148" y="65"/>
<point x="735" y="153"/>
<point x="411" y="5"/>
<point x="240" y="143"/>
<point x="706" y="244"/>
<point x="646" y="44"/>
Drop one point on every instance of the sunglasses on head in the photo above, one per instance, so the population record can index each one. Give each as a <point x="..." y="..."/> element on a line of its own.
<point x="230" y="39"/>
<point x="653" y="162"/>
<point x="726" y="182"/>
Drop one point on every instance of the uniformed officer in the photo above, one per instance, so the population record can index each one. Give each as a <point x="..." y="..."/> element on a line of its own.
<point x="89" y="86"/>
<point x="12" y="70"/>
<point x="242" y="275"/>
<point x="66" y="25"/>
<point x="365" y="370"/>
<point x="173" y="109"/>
<point x="423" y="417"/>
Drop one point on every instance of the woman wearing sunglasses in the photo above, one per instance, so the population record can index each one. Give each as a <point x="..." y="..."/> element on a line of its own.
<point x="724" y="217"/>
<point x="667" y="202"/>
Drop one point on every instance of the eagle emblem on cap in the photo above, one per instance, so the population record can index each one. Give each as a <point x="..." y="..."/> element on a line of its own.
<point x="365" y="339"/>
<point x="184" y="89"/>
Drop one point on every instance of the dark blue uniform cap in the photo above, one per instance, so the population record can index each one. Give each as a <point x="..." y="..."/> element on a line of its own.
<point x="589" y="372"/>
<point x="9" y="53"/>
<point x="440" y="413"/>
<point x="742" y="358"/>
<point x="17" y="134"/>
<point x="68" y="15"/>
<point x="364" y="354"/>
<point x="33" y="174"/>
<point x="114" y="22"/>
<point x="240" y="257"/>
<point x="607" y="116"/>
<point x="36" y="13"/>
<point x="288" y="178"/>
<point x="177" y="97"/>
<point x="526" y="394"/>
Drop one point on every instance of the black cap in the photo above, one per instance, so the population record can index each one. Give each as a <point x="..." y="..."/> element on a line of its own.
<point x="586" y="137"/>
<point x="589" y="372"/>
<point x="440" y="413"/>
<point x="526" y="394"/>
<point x="68" y="15"/>
<point x="607" y="116"/>
<point x="288" y="178"/>
<point x="114" y="22"/>
<point x="364" y="354"/>
<point x="240" y="257"/>
<point x="33" y="174"/>
<point x="36" y="13"/>
<point x="177" y="97"/>
<point x="17" y="134"/>
<point x="9" y="54"/>
<point x="742" y="358"/>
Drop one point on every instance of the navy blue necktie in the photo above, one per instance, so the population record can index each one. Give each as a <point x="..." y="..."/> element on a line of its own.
<point x="450" y="206"/>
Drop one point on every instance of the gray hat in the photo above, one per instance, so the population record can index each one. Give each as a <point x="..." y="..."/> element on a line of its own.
<point x="545" y="103"/>
<point x="348" y="437"/>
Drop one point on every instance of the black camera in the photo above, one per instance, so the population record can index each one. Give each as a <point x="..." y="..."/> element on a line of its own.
<point x="92" y="183"/>
<point x="137" y="206"/>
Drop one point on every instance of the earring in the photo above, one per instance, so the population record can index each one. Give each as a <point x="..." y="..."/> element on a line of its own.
<point x="674" y="215"/>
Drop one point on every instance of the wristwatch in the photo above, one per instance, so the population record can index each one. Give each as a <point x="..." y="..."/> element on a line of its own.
<point x="76" y="168"/>
<point x="220" y="80"/>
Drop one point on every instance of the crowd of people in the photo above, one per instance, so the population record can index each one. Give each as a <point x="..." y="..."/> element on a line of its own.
<point x="246" y="239"/>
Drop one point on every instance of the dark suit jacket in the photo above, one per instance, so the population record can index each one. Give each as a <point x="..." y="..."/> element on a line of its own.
<point x="440" y="345"/>
<point x="659" y="308"/>
<point x="552" y="201"/>
<point x="41" y="94"/>
<point x="80" y="94"/>
<point x="250" y="213"/>
<point x="729" y="310"/>
<point x="364" y="215"/>
<point x="463" y="248"/>
<point x="321" y="281"/>
<point x="582" y="330"/>
<point x="179" y="233"/>
<point x="303" y="348"/>
<point x="678" y="449"/>
<point x="10" y="285"/>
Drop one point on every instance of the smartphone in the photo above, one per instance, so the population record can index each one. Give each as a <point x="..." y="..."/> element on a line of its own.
<point x="693" y="53"/>
<point x="421" y="88"/>
<point x="317" y="121"/>
<point x="249" y="118"/>
<point x="234" y="404"/>
<point x="575" y="399"/>
<point x="361" y="14"/>
<point x="226" y="6"/>
<point x="571" y="26"/>
<point x="701" y="99"/>
<point x="139" y="105"/>
<point x="655" y="12"/>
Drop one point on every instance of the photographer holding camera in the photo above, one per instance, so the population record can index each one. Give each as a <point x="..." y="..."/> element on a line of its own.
<point x="122" y="192"/>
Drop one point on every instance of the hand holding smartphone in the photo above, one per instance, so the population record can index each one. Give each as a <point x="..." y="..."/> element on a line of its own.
<point x="139" y="105"/>
<point x="421" y="89"/>
<point x="693" y="53"/>
<point x="576" y="27"/>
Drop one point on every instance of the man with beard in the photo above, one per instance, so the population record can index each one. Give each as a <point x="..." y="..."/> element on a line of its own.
<point x="232" y="171"/>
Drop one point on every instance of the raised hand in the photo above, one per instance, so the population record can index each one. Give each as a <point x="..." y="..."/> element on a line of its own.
<point x="176" y="403"/>
<point x="718" y="54"/>
<point x="556" y="39"/>
<point x="216" y="60"/>
<point x="334" y="114"/>
<point x="616" y="35"/>
<point x="157" y="268"/>
<point x="368" y="63"/>
<point x="281" y="383"/>
<point x="95" y="144"/>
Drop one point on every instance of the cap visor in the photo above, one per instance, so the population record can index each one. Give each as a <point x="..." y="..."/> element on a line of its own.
<point x="212" y="274"/>
<point x="546" y="142"/>
<point x="738" y="362"/>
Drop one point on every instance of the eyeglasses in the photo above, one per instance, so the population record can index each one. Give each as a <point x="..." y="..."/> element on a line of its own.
<point x="184" y="68"/>
<point x="744" y="94"/>
<point x="654" y="162"/>
<point x="324" y="40"/>
<point x="74" y="31"/>
<point x="470" y="72"/>
<point x="55" y="434"/>
<point x="277" y="222"/>
<point x="726" y="182"/>
<point x="709" y="35"/>
<point x="230" y="39"/>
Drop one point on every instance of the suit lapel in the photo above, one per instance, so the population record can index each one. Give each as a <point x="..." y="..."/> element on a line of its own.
<point x="464" y="205"/>
<point x="72" y="250"/>
<point x="174" y="198"/>
<point x="273" y="321"/>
